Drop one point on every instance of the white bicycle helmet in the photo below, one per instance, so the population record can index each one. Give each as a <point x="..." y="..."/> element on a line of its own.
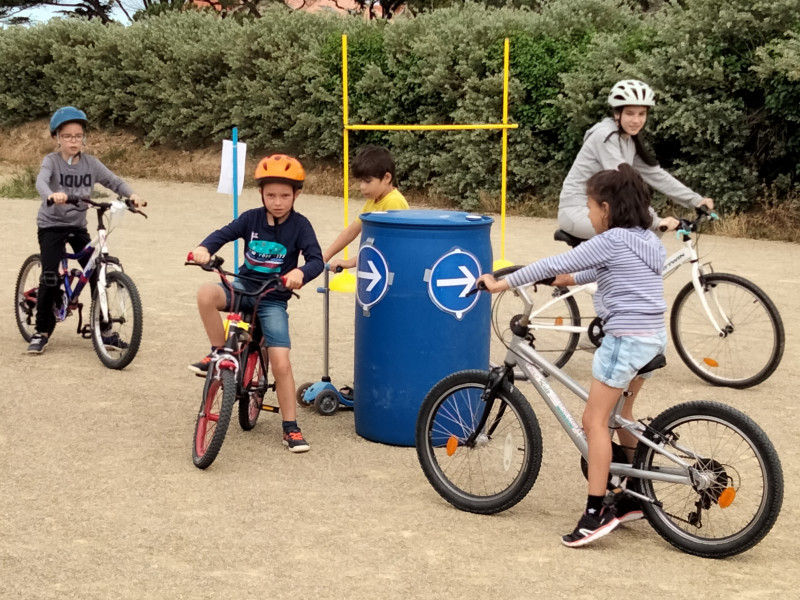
<point x="631" y="92"/>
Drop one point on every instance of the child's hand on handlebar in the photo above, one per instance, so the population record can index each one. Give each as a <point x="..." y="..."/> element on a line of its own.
<point x="58" y="197"/>
<point x="708" y="203"/>
<point x="337" y="264"/>
<point x="490" y="284"/>
<point x="293" y="280"/>
<point x="137" y="202"/>
<point x="668" y="224"/>
<point x="200" y="255"/>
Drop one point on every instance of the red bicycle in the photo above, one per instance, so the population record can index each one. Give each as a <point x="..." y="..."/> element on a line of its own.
<point x="239" y="371"/>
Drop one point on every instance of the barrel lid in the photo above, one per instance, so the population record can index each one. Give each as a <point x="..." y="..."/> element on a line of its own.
<point x="416" y="218"/>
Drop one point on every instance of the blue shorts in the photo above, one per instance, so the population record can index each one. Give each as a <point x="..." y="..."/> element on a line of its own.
<point x="618" y="359"/>
<point x="271" y="314"/>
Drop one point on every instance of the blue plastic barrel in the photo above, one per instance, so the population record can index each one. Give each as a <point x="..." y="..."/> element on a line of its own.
<point x="414" y="322"/>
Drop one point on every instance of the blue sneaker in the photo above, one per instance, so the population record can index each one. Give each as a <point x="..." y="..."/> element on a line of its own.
<point x="38" y="343"/>
<point x="112" y="340"/>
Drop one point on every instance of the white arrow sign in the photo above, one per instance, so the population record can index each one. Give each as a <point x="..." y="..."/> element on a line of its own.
<point x="468" y="282"/>
<point x="374" y="277"/>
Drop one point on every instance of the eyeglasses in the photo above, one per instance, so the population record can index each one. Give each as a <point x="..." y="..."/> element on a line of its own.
<point x="78" y="137"/>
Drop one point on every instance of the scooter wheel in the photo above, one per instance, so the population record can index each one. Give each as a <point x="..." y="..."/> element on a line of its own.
<point x="301" y="392"/>
<point x="327" y="403"/>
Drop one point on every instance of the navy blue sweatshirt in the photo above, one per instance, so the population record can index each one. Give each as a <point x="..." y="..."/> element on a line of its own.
<point x="270" y="249"/>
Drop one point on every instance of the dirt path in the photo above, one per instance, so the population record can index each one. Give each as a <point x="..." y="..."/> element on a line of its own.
<point x="99" y="498"/>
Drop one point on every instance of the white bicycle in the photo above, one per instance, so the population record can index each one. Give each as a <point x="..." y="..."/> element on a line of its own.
<point x="707" y="476"/>
<point x="724" y="327"/>
<point x="115" y="317"/>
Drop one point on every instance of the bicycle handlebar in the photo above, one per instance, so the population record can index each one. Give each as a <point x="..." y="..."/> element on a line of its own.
<point x="215" y="265"/>
<point x="75" y="200"/>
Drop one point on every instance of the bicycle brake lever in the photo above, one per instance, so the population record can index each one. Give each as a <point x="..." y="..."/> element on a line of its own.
<point x="479" y="287"/>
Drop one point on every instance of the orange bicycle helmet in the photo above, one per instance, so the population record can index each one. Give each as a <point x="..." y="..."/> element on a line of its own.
<point x="280" y="168"/>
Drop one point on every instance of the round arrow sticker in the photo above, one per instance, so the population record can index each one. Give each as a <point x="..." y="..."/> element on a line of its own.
<point x="450" y="279"/>
<point x="372" y="276"/>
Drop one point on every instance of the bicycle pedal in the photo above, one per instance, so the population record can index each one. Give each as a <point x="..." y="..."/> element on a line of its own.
<point x="270" y="408"/>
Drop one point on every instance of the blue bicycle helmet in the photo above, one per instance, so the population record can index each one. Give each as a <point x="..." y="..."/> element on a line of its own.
<point x="67" y="114"/>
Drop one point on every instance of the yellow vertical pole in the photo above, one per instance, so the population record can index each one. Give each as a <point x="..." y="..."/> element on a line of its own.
<point x="345" y="132"/>
<point x="344" y="281"/>
<point x="504" y="164"/>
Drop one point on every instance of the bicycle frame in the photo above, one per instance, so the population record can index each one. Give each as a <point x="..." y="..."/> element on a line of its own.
<point x="97" y="250"/>
<point x="536" y="368"/>
<point x="687" y="254"/>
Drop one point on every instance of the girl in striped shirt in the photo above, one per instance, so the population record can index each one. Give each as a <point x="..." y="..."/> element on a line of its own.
<point x="625" y="258"/>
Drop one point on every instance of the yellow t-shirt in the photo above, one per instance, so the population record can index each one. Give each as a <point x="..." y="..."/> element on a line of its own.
<point x="394" y="200"/>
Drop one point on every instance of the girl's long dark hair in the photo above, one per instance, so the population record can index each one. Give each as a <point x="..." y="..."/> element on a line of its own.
<point x="627" y="196"/>
<point x="639" y="141"/>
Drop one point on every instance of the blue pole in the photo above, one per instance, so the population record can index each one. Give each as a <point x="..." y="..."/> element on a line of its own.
<point x="235" y="198"/>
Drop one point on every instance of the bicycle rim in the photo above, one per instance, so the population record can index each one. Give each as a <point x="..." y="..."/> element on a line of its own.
<point x="741" y="492"/>
<point x="25" y="294"/>
<point x="117" y="342"/>
<point x="752" y="345"/>
<point x="484" y="470"/>
<point x="254" y="382"/>
<point x="213" y="418"/>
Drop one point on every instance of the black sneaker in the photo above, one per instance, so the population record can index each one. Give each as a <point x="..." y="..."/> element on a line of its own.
<point x="38" y="343"/>
<point x="628" y="509"/>
<point x="112" y="340"/>
<point x="200" y="368"/>
<point x="591" y="528"/>
<point x="294" y="441"/>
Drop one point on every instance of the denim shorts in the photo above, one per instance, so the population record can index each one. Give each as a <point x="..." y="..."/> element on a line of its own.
<point x="618" y="359"/>
<point x="271" y="314"/>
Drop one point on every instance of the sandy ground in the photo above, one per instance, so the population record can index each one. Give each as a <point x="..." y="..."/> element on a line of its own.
<point x="99" y="498"/>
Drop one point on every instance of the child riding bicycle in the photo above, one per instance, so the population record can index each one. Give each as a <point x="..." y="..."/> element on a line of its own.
<point x="612" y="141"/>
<point x="66" y="172"/>
<point x="274" y="237"/>
<point x="625" y="258"/>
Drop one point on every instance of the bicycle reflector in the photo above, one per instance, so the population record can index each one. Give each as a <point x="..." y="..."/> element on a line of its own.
<point x="710" y="362"/>
<point x="727" y="497"/>
<point x="452" y="445"/>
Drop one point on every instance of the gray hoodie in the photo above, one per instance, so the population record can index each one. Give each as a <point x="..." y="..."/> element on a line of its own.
<point x="604" y="148"/>
<point x="77" y="179"/>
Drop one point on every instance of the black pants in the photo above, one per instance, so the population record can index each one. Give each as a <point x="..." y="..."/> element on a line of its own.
<point x="52" y="246"/>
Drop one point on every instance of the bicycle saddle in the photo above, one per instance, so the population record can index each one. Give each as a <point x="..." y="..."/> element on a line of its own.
<point x="658" y="362"/>
<point x="562" y="236"/>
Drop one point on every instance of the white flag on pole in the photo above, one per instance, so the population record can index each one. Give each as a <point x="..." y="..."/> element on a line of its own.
<point x="226" y="167"/>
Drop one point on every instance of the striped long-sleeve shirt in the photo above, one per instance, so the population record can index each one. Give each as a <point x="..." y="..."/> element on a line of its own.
<point x="627" y="265"/>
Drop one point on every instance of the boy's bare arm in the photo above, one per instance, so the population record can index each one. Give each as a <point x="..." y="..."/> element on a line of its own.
<point x="350" y="233"/>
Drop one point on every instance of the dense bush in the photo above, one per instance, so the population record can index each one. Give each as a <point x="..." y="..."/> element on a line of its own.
<point x="725" y="71"/>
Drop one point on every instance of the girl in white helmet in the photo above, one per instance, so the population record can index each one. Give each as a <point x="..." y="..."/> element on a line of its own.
<point x="606" y="145"/>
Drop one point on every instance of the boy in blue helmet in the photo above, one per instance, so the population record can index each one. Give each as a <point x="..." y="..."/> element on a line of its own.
<point x="66" y="172"/>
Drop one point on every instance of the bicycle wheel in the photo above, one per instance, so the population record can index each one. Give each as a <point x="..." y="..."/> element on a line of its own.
<point x="25" y="293"/>
<point x="478" y="465"/>
<point x="254" y="385"/>
<point x="549" y="339"/>
<point x="117" y="344"/>
<point x="219" y="394"/>
<point x="738" y="488"/>
<point x="752" y="346"/>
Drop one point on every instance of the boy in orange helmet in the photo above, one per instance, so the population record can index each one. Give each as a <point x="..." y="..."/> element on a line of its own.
<point x="274" y="236"/>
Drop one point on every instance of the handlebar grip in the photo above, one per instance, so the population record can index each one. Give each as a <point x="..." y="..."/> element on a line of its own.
<point x="190" y="257"/>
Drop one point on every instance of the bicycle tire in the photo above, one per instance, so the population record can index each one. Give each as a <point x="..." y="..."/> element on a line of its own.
<point x="733" y="451"/>
<point x="254" y="385"/>
<point x="213" y="418"/>
<point x="747" y="354"/>
<point x="125" y="311"/>
<point x="506" y="456"/>
<point x="554" y="345"/>
<point x="25" y="292"/>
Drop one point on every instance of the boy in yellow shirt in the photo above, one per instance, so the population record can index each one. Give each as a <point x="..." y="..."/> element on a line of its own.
<point x="374" y="168"/>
